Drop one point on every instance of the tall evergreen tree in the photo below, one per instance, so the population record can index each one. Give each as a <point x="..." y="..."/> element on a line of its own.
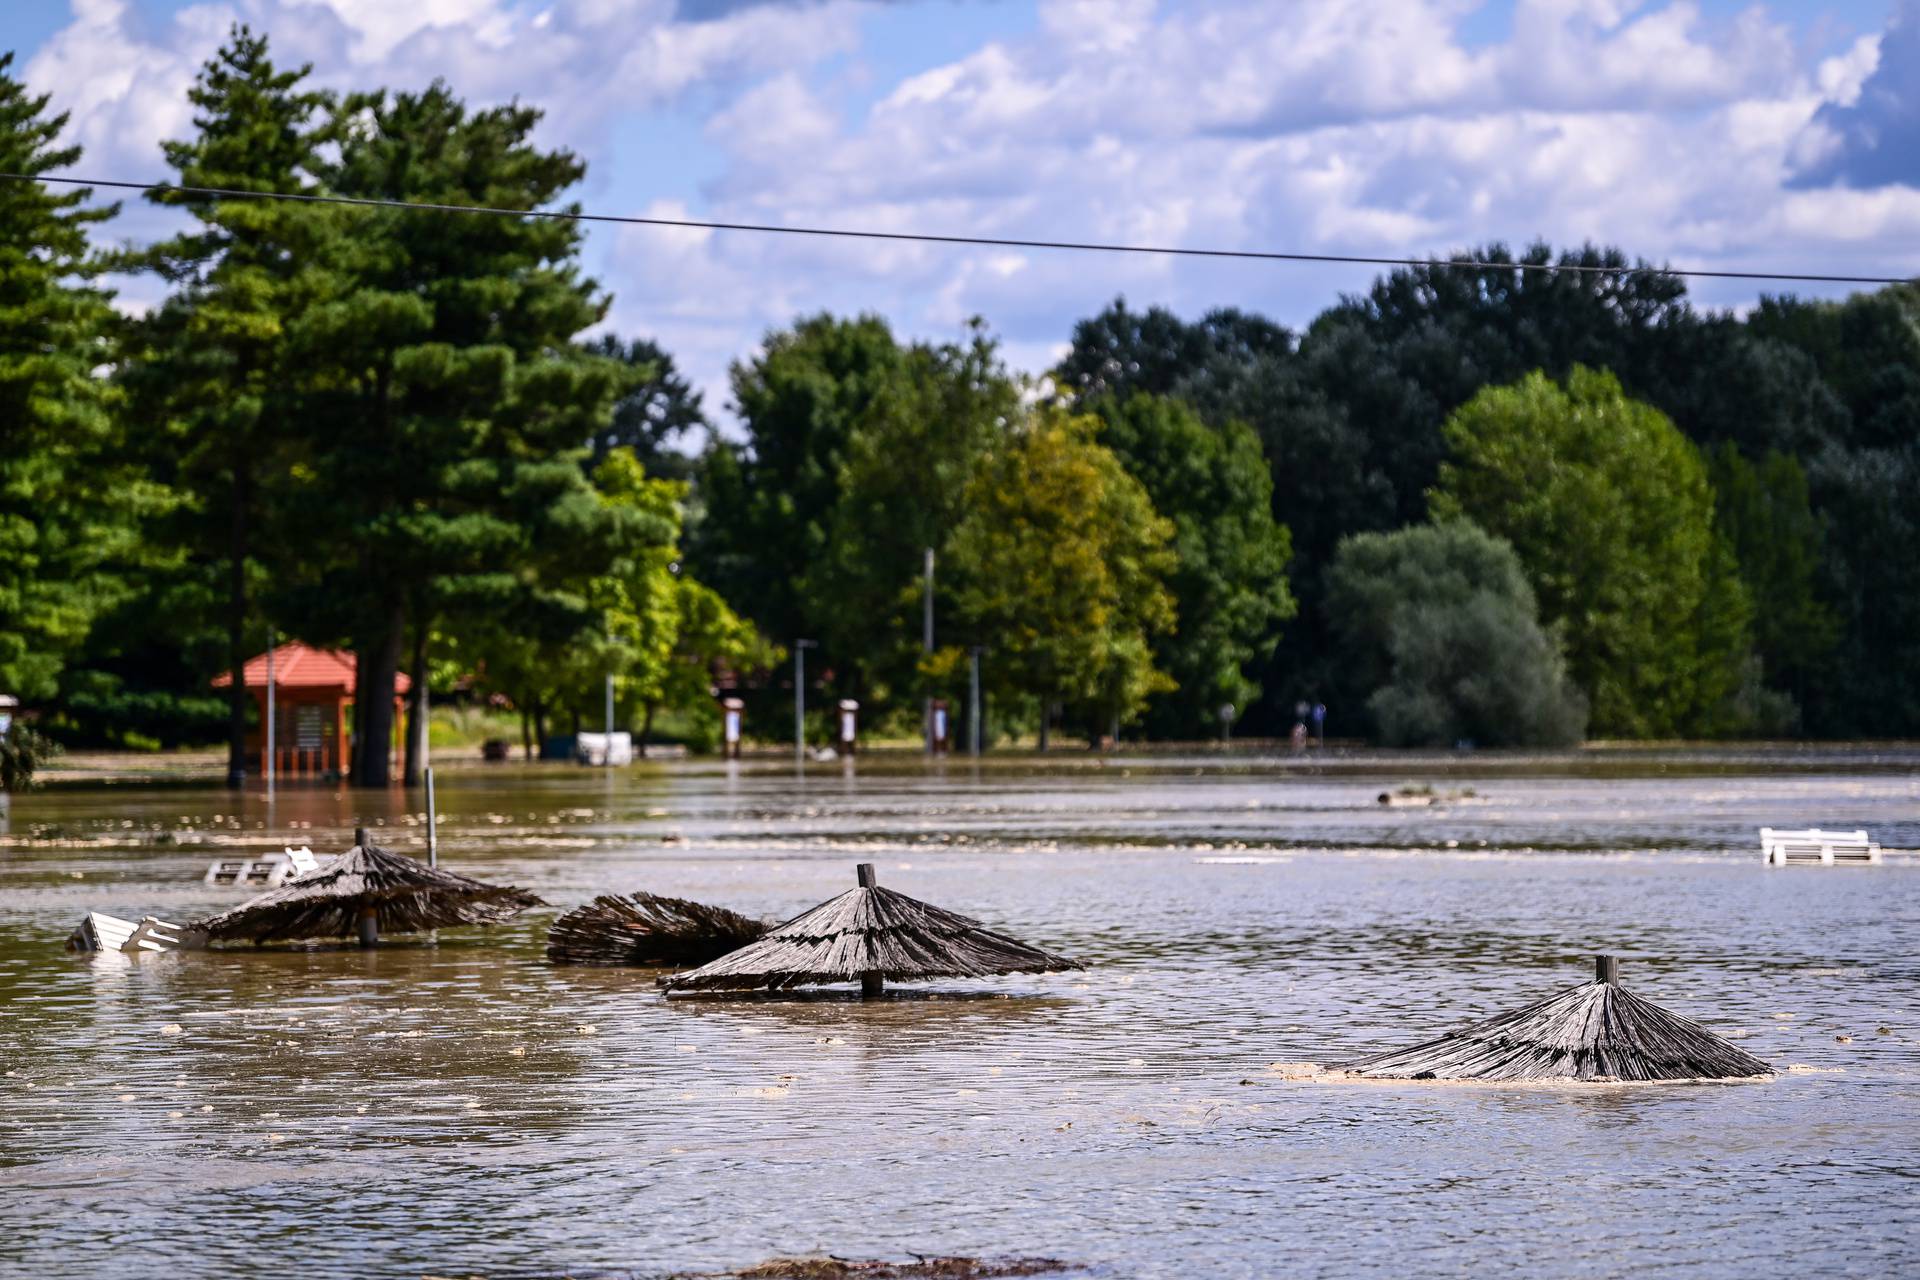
<point x="213" y="369"/>
<point x="447" y="404"/>
<point x="68" y="504"/>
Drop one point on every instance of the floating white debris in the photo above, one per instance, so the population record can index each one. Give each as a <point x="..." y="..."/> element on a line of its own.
<point x="1296" y="1070"/>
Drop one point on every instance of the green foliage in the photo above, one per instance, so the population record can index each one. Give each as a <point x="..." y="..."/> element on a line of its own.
<point x="1763" y="512"/>
<point x="858" y="453"/>
<point x="1610" y="511"/>
<point x="70" y="504"/>
<point x="664" y="632"/>
<point x="1438" y="620"/>
<point x="1061" y="564"/>
<point x="22" y="754"/>
<point x="1229" y="583"/>
<point x="769" y="499"/>
<point x="655" y="410"/>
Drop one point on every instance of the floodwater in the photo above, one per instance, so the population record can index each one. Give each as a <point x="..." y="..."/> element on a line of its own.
<point x="464" y="1108"/>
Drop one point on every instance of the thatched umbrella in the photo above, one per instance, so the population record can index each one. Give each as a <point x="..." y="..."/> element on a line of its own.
<point x="869" y="935"/>
<point x="649" y="930"/>
<point x="365" y="890"/>
<point x="1596" y="1031"/>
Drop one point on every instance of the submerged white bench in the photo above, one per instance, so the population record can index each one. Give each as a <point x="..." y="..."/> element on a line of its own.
<point x="102" y="932"/>
<point x="1817" y="848"/>
<point x="267" y="872"/>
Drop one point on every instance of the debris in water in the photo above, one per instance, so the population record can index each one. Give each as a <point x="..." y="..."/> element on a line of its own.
<point x="921" y="1268"/>
<point x="172" y="1029"/>
<point x="1296" y="1070"/>
<point x="648" y="930"/>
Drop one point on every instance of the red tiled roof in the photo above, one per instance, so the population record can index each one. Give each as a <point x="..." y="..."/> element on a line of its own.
<point x="299" y="666"/>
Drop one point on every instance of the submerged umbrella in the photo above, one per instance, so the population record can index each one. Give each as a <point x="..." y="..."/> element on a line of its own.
<point x="869" y="935"/>
<point x="365" y="890"/>
<point x="647" y="929"/>
<point x="1598" y="1030"/>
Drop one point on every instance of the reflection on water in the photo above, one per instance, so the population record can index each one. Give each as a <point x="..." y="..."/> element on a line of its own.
<point x="466" y="1108"/>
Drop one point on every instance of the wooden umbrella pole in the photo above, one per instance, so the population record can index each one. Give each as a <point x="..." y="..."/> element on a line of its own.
<point x="871" y="984"/>
<point x="1607" y="970"/>
<point x="369" y="917"/>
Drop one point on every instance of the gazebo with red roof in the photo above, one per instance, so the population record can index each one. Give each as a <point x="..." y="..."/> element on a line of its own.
<point x="311" y="690"/>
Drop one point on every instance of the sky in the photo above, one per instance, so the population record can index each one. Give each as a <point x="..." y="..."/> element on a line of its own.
<point x="1758" y="135"/>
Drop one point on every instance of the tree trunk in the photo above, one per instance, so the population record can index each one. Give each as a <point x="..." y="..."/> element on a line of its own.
<point x="372" y="762"/>
<point x="646" y="727"/>
<point x="416" y="757"/>
<point x="526" y="735"/>
<point x="539" y="727"/>
<point x="1046" y="718"/>
<point x="237" y="697"/>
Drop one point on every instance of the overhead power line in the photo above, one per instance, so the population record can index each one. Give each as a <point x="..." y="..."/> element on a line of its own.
<point x="926" y="237"/>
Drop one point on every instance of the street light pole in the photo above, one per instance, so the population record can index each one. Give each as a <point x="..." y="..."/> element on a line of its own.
<point x="268" y="743"/>
<point x="973" y="701"/>
<point x="800" y="648"/>
<point x="926" y="712"/>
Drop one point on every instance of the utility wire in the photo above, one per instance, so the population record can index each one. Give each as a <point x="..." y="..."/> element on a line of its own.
<point x="923" y="237"/>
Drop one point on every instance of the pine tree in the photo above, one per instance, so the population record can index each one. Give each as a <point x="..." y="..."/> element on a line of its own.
<point x="214" y="367"/>
<point x="68" y="507"/>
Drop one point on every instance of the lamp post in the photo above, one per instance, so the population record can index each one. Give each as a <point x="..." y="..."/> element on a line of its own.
<point x="800" y="648"/>
<point x="973" y="700"/>
<point x="926" y="721"/>
<point x="268" y="745"/>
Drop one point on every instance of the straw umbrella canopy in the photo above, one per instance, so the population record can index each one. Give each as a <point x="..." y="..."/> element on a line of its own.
<point x="1596" y="1031"/>
<point x="366" y="890"/>
<point x="869" y="935"/>
<point x="649" y="930"/>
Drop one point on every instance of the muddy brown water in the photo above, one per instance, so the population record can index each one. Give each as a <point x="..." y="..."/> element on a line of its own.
<point x="465" y="1108"/>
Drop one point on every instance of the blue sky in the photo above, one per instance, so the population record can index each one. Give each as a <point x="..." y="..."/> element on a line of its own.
<point x="1715" y="133"/>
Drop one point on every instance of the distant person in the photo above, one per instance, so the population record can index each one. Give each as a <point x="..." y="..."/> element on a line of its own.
<point x="1299" y="736"/>
<point x="1320" y="722"/>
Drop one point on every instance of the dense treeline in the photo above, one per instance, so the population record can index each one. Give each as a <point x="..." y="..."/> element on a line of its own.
<point x="1489" y="503"/>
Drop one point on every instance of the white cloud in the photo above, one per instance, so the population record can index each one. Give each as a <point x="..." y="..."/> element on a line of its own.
<point x="584" y="61"/>
<point x="1311" y="125"/>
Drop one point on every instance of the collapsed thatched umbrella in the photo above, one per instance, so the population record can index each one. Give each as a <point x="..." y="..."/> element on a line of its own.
<point x="869" y="935"/>
<point x="1596" y="1031"/>
<point x="365" y="890"/>
<point x="648" y="930"/>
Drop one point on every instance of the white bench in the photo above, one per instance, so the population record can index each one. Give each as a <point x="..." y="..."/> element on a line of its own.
<point x="267" y="872"/>
<point x="102" y="932"/>
<point x="1817" y="848"/>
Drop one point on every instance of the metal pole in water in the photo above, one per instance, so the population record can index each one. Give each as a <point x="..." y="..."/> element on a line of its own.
<point x="973" y="702"/>
<point x="926" y="712"/>
<point x="267" y="746"/>
<point x="799" y="701"/>
<point x="433" y="824"/>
